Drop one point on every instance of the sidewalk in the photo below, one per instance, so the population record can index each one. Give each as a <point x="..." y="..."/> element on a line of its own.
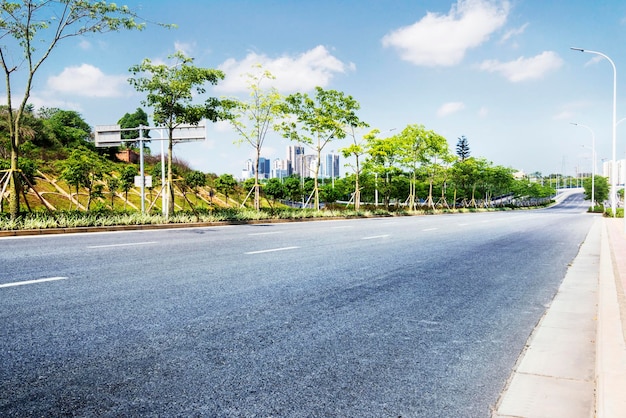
<point x="574" y="364"/>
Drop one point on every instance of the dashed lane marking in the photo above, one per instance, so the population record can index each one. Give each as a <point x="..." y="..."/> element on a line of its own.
<point x="376" y="236"/>
<point x="26" y="282"/>
<point x="128" y="244"/>
<point x="271" y="250"/>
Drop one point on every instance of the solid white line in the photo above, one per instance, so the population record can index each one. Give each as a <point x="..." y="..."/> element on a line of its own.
<point x="49" y="279"/>
<point x="265" y="233"/>
<point x="342" y="227"/>
<point x="122" y="245"/>
<point x="376" y="236"/>
<point x="429" y="229"/>
<point x="271" y="250"/>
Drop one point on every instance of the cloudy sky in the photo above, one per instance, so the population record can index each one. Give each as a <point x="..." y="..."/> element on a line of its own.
<point x="499" y="72"/>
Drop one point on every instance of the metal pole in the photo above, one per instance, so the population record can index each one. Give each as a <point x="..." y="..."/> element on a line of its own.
<point x="141" y="172"/>
<point x="164" y="196"/>
<point x="613" y="161"/>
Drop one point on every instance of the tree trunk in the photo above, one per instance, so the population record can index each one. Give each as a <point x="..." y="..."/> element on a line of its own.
<point x="15" y="184"/>
<point x="257" y="197"/>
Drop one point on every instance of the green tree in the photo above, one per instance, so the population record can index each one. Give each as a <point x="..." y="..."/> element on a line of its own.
<point x="601" y="188"/>
<point x="170" y="92"/>
<point x="358" y="149"/>
<point x="253" y="119"/>
<point x="83" y="168"/>
<point x="34" y="28"/>
<point x="319" y="120"/>
<point x="225" y="184"/>
<point x="293" y="188"/>
<point x="462" y="148"/>
<point x="134" y="120"/>
<point x="67" y="128"/>
<point x="127" y="180"/>
<point x="274" y="189"/>
<point x="384" y="155"/>
<point x="113" y="184"/>
<point x="419" y="147"/>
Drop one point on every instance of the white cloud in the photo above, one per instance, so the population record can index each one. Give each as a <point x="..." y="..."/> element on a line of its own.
<point x="87" y="80"/>
<point x="185" y="47"/>
<point x="84" y="45"/>
<point x="513" y="32"/>
<point x="450" y="108"/>
<point x="442" y="40"/>
<point x="563" y="115"/>
<point x="523" y="69"/>
<point x="39" y="101"/>
<point x="304" y="72"/>
<point x="483" y="112"/>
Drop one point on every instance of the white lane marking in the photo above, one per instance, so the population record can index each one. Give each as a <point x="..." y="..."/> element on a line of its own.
<point x="342" y="227"/>
<point x="271" y="250"/>
<point x="128" y="244"/>
<point x="49" y="279"/>
<point x="429" y="229"/>
<point x="265" y="233"/>
<point x="376" y="236"/>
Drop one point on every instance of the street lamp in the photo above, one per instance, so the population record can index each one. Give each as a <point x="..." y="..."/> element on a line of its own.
<point x="593" y="168"/>
<point x="613" y="163"/>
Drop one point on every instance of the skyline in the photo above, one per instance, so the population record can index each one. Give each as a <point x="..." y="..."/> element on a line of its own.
<point x="500" y="73"/>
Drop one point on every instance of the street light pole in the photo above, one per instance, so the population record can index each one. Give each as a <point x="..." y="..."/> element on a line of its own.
<point x="593" y="163"/>
<point x="613" y="161"/>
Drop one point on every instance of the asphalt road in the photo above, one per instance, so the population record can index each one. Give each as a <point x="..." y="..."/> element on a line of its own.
<point x="412" y="317"/>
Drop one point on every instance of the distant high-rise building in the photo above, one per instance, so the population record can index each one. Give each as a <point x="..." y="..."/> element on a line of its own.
<point x="607" y="171"/>
<point x="280" y="169"/>
<point x="293" y="153"/>
<point x="264" y="169"/>
<point x="330" y="167"/>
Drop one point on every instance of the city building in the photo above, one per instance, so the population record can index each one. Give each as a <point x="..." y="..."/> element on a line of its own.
<point x="607" y="171"/>
<point x="297" y="163"/>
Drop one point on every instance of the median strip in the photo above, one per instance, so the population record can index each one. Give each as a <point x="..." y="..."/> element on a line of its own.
<point x="49" y="279"/>
<point x="271" y="250"/>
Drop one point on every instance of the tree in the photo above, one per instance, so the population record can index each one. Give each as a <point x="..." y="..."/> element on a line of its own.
<point x="127" y="180"/>
<point x="383" y="157"/>
<point x="67" y="128"/>
<point x="418" y="147"/>
<point x="170" y="92"/>
<point x="601" y="188"/>
<point x="274" y="189"/>
<point x="113" y="184"/>
<point x="358" y="149"/>
<point x="253" y="119"/>
<point x="318" y="121"/>
<point x="225" y="184"/>
<point x="35" y="27"/>
<point x="83" y="168"/>
<point x="134" y="120"/>
<point x="293" y="188"/>
<point x="462" y="148"/>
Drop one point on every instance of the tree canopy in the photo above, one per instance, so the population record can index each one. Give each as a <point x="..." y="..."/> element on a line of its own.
<point x="170" y="93"/>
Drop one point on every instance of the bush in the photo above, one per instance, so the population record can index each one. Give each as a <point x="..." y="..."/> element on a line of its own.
<point x="596" y="209"/>
<point x="619" y="212"/>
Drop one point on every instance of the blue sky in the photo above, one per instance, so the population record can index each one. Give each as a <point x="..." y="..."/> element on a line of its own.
<point x="499" y="72"/>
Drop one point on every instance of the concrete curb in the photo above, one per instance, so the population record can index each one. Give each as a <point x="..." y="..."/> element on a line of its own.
<point x="611" y="350"/>
<point x="555" y="375"/>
